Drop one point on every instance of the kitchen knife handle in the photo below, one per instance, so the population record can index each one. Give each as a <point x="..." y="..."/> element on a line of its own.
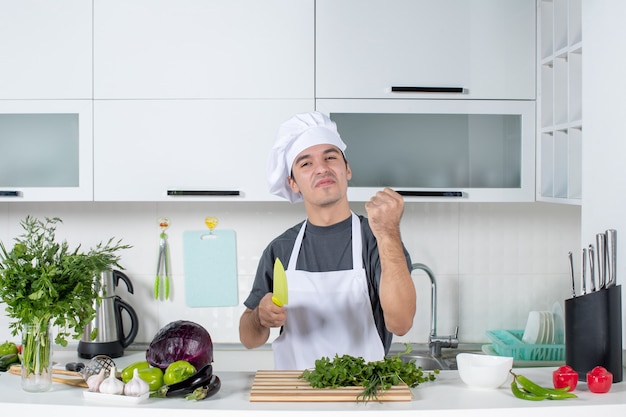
<point x="402" y="89"/>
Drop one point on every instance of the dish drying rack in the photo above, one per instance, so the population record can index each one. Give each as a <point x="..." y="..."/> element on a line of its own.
<point x="509" y="343"/>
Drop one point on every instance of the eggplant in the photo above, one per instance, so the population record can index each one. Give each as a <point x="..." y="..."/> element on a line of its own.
<point x="7" y="360"/>
<point x="186" y="387"/>
<point x="206" y="391"/>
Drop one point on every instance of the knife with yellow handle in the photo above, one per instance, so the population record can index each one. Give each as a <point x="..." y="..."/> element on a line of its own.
<point x="280" y="297"/>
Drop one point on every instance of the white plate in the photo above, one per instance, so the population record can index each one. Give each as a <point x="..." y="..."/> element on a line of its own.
<point x="542" y="334"/>
<point x="115" y="399"/>
<point x="550" y="339"/>
<point x="533" y="329"/>
<point x="544" y="328"/>
<point x="559" y="323"/>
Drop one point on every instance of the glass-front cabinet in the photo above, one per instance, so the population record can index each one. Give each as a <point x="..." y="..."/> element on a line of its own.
<point x="46" y="150"/>
<point x="438" y="150"/>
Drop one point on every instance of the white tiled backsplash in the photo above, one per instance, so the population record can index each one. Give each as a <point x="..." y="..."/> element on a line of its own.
<point x="493" y="262"/>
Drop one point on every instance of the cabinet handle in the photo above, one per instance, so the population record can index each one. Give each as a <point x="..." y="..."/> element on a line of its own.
<point x="398" y="89"/>
<point x="202" y="193"/>
<point x="9" y="193"/>
<point x="430" y="193"/>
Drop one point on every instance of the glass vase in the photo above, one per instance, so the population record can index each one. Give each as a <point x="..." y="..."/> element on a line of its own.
<point x="36" y="357"/>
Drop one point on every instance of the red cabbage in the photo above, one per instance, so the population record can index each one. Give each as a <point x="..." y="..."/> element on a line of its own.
<point x="180" y="341"/>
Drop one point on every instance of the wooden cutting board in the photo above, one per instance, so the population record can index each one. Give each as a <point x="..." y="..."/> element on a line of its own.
<point x="285" y="386"/>
<point x="76" y="382"/>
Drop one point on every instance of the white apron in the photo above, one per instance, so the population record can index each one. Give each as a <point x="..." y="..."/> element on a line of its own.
<point x="328" y="313"/>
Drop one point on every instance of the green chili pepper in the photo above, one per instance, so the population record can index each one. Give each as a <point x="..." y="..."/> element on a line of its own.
<point x="525" y="395"/>
<point x="532" y="391"/>
<point x="534" y="388"/>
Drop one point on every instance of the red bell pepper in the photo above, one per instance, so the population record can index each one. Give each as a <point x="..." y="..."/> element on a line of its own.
<point x="599" y="380"/>
<point x="565" y="376"/>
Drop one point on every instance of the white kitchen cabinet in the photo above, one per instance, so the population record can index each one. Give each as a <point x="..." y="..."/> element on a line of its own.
<point x="46" y="150"/>
<point x="176" y="49"/>
<point x="486" y="48"/>
<point x="45" y="49"/>
<point x="559" y="103"/>
<point x="438" y="150"/>
<point x="186" y="150"/>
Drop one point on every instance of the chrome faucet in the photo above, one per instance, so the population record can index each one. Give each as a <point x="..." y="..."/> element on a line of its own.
<point x="435" y="342"/>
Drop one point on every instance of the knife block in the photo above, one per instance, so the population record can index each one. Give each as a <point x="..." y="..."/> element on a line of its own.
<point x="593" y="332"/>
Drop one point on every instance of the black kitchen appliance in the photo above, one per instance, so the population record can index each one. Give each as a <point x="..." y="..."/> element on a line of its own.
<point x="110" y="338"/>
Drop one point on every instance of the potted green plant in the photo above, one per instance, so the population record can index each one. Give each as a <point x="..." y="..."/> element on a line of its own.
<point x="43" y="284"/>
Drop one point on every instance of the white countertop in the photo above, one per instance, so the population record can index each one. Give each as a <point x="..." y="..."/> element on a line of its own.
<point x="445" y="396"/>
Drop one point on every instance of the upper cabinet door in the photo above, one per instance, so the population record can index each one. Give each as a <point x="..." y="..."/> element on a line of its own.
<point x="186" y="150"/>
<point x="485" y="48"/>
<point x="45" y="49"/>
<point x="438" y="150"/>
<point x="203" y="49"/>
<point x="46" y="150"/>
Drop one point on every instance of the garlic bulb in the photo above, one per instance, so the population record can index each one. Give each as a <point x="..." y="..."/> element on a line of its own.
<point x="112" y="385"/>
<point x="94" y="381"/>
<point x="136" y="387"/>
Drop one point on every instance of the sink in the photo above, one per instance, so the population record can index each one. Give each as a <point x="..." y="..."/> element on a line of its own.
<point x="442" y="350"/>
<point x="429" y="362"/>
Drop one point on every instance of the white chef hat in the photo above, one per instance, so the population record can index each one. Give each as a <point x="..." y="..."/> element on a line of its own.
<point x="295" y="135"/>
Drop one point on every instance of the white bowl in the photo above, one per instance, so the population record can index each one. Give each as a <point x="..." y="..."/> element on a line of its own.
<point x="483" y="371"/>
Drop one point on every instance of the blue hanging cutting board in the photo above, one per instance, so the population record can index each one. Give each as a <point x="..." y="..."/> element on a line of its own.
<point x="210" y="261"/>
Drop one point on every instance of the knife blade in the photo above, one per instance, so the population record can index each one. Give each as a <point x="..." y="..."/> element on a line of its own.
<point x="280" y="293"/>
<point x="571" y="273"/>
<point x="611" y="256"/>
<point x="601" y="255"/>
<point x="583" y="273"/>
<point x="592" y="269"/>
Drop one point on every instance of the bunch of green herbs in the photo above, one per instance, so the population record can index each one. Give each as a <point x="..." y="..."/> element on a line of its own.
<point x="374" y="377"/>
<point x="43" y="282"/>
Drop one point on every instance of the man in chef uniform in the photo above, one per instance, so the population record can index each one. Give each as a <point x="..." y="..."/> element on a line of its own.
<point x="349" y="280"/>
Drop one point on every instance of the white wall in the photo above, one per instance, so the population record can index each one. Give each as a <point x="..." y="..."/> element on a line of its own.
<point x="604" y="111"/>
<point x="493" y="262"/>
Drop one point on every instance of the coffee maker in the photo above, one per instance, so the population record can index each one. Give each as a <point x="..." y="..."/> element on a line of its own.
<point x="110" y="338"/>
